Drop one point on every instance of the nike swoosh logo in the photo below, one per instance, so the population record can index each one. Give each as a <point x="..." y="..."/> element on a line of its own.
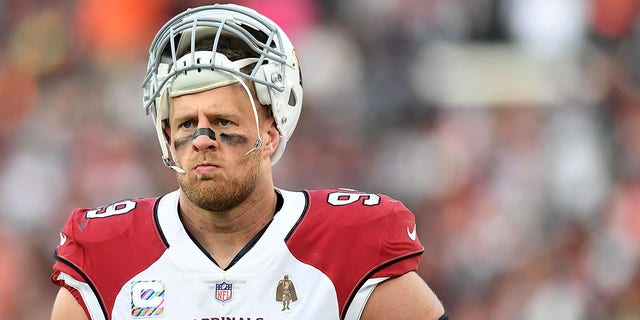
<point x="63" y="239"/>
<point x="412" y="234"/>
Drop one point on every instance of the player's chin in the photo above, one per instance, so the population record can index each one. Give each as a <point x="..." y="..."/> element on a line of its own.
<point x="200" y="180"/>
<point x="207" y="178"/>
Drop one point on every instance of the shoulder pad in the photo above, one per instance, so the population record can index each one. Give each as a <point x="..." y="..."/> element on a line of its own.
<point x="352" y="236"/>
<point x="94" y="242"/>
<point x="106" y="223"/>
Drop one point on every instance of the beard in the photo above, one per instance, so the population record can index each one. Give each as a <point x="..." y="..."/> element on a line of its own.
<point x="220" y="195"/>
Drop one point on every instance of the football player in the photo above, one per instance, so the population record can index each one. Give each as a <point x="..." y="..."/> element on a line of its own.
<point x="224" y="91"/>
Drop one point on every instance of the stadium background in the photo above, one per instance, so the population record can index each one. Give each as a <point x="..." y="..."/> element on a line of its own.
<point x="510" y="127"/>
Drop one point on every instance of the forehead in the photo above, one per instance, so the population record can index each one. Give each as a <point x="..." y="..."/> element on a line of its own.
<point x="231" y="99"/>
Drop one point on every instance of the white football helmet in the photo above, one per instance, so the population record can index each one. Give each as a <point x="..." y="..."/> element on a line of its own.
<point x="176" y="66"/>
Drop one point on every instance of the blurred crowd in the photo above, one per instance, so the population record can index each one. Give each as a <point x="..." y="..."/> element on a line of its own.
<point x="511" y="128"/>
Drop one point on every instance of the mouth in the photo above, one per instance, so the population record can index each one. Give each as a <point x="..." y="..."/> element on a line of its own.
<point x="206" y="168"/>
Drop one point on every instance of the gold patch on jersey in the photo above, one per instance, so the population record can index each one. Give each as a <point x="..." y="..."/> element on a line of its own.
<point x="286" y="292"/>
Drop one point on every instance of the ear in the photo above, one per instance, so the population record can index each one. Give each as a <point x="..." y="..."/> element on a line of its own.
<point x="166" y="130"/>
<point x="272" y="139"/>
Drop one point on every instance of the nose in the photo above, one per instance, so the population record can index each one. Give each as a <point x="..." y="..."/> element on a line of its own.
<point x="204" y="139"/>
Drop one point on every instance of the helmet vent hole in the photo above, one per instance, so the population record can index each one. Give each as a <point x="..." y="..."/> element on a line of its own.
<point x="292" y="98"/>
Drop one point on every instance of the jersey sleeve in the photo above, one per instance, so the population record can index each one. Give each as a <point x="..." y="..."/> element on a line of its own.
<point x="70" y="266"/>
<point x="400" y="245"/>
<point x="69" y="254"/>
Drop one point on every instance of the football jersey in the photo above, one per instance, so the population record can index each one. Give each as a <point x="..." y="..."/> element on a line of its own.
<point x="319" y="258"/>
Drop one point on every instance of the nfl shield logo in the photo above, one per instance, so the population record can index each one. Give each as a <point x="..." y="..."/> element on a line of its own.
<point x="224" y="291"/>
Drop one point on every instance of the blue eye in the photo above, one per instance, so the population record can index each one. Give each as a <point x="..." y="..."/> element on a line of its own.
<point x="224" y="122"/>
<point x="186" y="124"/>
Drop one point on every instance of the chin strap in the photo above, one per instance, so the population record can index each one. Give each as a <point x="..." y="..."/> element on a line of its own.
<point x="258" y="143"/>
<point x="167" y="159"/>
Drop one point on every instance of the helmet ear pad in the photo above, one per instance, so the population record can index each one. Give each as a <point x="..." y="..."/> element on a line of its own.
<point x="262" y="92"/>
<point x="285" y="105"/>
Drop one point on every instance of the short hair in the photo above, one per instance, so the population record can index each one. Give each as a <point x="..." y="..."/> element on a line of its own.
<point x="232" y="53"/>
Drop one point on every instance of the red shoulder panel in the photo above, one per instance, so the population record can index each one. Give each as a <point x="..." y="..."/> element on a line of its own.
<point x="351" y="235"/>
<point x="106" y="246"/>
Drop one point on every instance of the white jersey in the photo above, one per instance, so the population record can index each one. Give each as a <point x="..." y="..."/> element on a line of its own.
<point x="319" y="258"/>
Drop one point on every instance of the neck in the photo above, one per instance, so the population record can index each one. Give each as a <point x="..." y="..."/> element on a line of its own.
<point x="224" y="234"/>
